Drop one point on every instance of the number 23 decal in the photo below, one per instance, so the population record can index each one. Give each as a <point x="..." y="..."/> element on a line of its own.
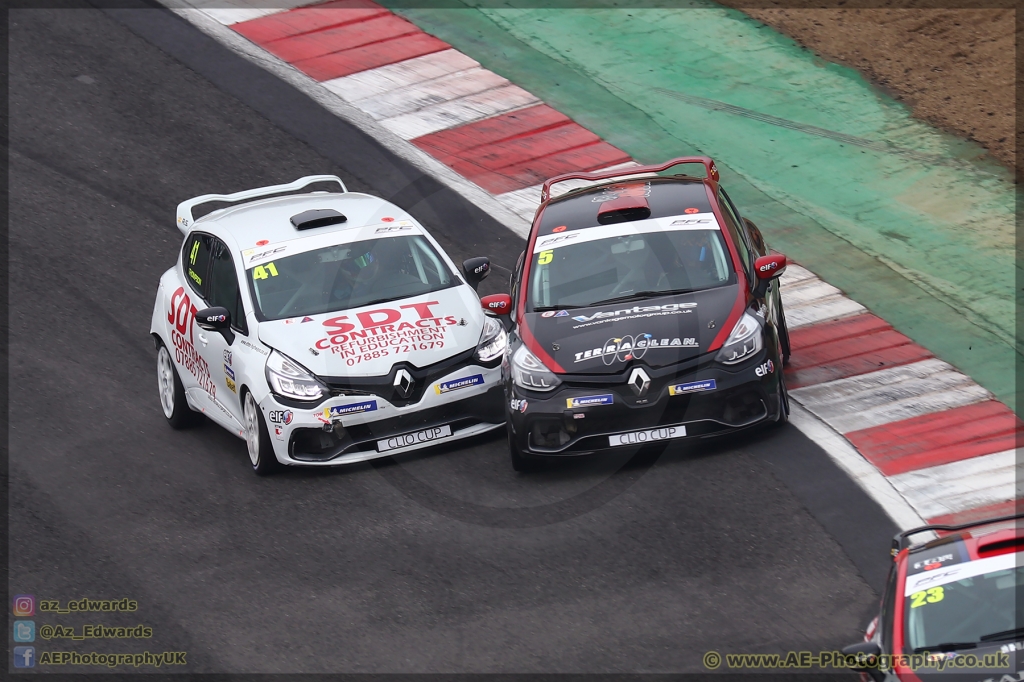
<point x="929" y="596"/>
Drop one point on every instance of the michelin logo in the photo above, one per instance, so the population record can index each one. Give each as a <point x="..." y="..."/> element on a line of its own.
<point x="692" y="387"/>
<point x="455" y="384"/>
<point x="329" y="413"/>
<point x="588" y="400"/>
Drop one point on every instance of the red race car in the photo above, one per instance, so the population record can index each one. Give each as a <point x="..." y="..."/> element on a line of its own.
<point x="953" y="608"/>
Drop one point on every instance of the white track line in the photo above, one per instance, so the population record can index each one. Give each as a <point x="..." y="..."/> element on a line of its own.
<point x="960" y="486"/>
<point x="385" y="79"/>
<point x="345" y="111"/>
<point x="890" y="395"/>
<point x="474" y="107"/>
<point x="794" y="275"/>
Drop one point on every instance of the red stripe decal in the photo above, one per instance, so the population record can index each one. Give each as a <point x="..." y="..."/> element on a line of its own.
<point x="536" y="349"/>
<point x="939" y="438"/>
<point x="308" y="19"/>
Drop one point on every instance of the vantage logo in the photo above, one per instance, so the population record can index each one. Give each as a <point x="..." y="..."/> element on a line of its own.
<point x="668" y="308"/>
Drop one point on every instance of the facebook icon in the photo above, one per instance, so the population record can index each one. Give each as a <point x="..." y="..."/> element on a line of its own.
<point x="24" y="657"/>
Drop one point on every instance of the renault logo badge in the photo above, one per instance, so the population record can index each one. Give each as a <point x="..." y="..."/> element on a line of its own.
<point x="639" y="381"/>
<point x="404" y="383"/>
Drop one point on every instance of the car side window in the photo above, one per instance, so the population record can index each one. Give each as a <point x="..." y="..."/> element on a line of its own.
<point x="223" y="290"/>
<point x="513" y="282"/>
<point x="732" y="223"/>
<point x="195" y="262"/>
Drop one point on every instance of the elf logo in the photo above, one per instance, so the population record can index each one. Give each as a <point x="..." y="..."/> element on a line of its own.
<point x="765" y="369"/>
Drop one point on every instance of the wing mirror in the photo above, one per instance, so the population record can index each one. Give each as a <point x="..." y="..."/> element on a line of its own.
<point x="214" y="319"/>
<point x="770" y="266"/>
<point x="866" y="653"/>
<point x="476" y="269"/>
<point x="497" y="304"/>
<point x="767" y="268"/>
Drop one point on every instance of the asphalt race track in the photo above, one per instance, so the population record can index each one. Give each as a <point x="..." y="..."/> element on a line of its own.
<point x="446" y="561"/>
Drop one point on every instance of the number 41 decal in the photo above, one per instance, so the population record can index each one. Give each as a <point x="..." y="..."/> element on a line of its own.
<point x="260" y="271"/>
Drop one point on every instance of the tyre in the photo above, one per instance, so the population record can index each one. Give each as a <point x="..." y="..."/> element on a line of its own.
<point x="783" y="331"/>
<point x="257" y="439"/>
<point x="172" y="393"/>
<point x="520" y="462"/>
<point x="783" y="417"/>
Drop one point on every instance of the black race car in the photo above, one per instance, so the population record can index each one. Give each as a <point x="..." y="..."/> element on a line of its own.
<point x="644" y="309"/>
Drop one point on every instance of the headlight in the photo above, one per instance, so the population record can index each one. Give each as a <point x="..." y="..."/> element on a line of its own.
<point x="743" y="342"/>
<point x="530" y="373"/>
<point x="288" y="379"/>
<point x="492" y="340"/>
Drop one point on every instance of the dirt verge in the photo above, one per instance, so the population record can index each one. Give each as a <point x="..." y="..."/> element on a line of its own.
<point x="954" y="67"/>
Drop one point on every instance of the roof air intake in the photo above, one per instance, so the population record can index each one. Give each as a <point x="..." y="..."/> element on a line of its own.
<point x="318" y="217"/>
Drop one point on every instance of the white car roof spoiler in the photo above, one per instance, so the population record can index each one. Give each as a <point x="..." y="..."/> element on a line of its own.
<point x="185" y="218"/>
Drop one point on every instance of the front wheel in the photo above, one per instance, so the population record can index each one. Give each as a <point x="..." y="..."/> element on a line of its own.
<point x="257" y="439"/>
<point x="783" y="417"/>
<point x="784" y="350"/>
<point x="172" y="393"/>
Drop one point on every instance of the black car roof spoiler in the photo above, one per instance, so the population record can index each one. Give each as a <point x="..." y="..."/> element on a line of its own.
<point x="901" y="541"/>
<point x="608" y="173"/>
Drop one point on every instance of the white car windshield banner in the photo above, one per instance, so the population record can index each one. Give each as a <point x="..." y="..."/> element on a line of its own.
<point x="261" y="254"/>
<point x="968" y="569"/>
<point x="694" y="221"/>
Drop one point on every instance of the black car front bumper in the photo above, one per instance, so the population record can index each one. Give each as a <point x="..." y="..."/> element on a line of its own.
<point x="550" y="426"/>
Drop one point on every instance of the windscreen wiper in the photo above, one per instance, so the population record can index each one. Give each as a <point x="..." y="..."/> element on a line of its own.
<point x="946" y="646"/>
<point x="643" y="294"/>
<point x="1004" y="634"/>
<point x="541" y="309"/>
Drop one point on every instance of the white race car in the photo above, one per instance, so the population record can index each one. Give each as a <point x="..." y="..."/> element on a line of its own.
<point x="324" y="328"/>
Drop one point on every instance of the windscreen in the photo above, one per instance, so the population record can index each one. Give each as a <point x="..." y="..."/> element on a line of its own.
<point x="344" y="276"/>
<point x="637" y="260"/>
<point x="965" y="605"/>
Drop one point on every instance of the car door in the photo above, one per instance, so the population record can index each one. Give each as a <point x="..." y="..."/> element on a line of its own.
<point x="184" y="335"/>
<point x="217" y="348"/>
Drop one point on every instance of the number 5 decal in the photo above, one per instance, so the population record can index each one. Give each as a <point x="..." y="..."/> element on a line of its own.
<point x="545" y="257"/>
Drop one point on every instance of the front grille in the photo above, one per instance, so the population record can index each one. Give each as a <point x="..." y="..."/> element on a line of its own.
<point x="384" y="386"/>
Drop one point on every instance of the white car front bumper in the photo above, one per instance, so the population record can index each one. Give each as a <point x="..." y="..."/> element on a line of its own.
<point x="348" y="429"/>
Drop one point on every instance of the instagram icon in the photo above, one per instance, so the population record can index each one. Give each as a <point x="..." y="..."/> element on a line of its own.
<point x="24" y="605"/>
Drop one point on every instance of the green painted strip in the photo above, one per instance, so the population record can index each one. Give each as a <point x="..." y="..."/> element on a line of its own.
<point x="916" y="225"/>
